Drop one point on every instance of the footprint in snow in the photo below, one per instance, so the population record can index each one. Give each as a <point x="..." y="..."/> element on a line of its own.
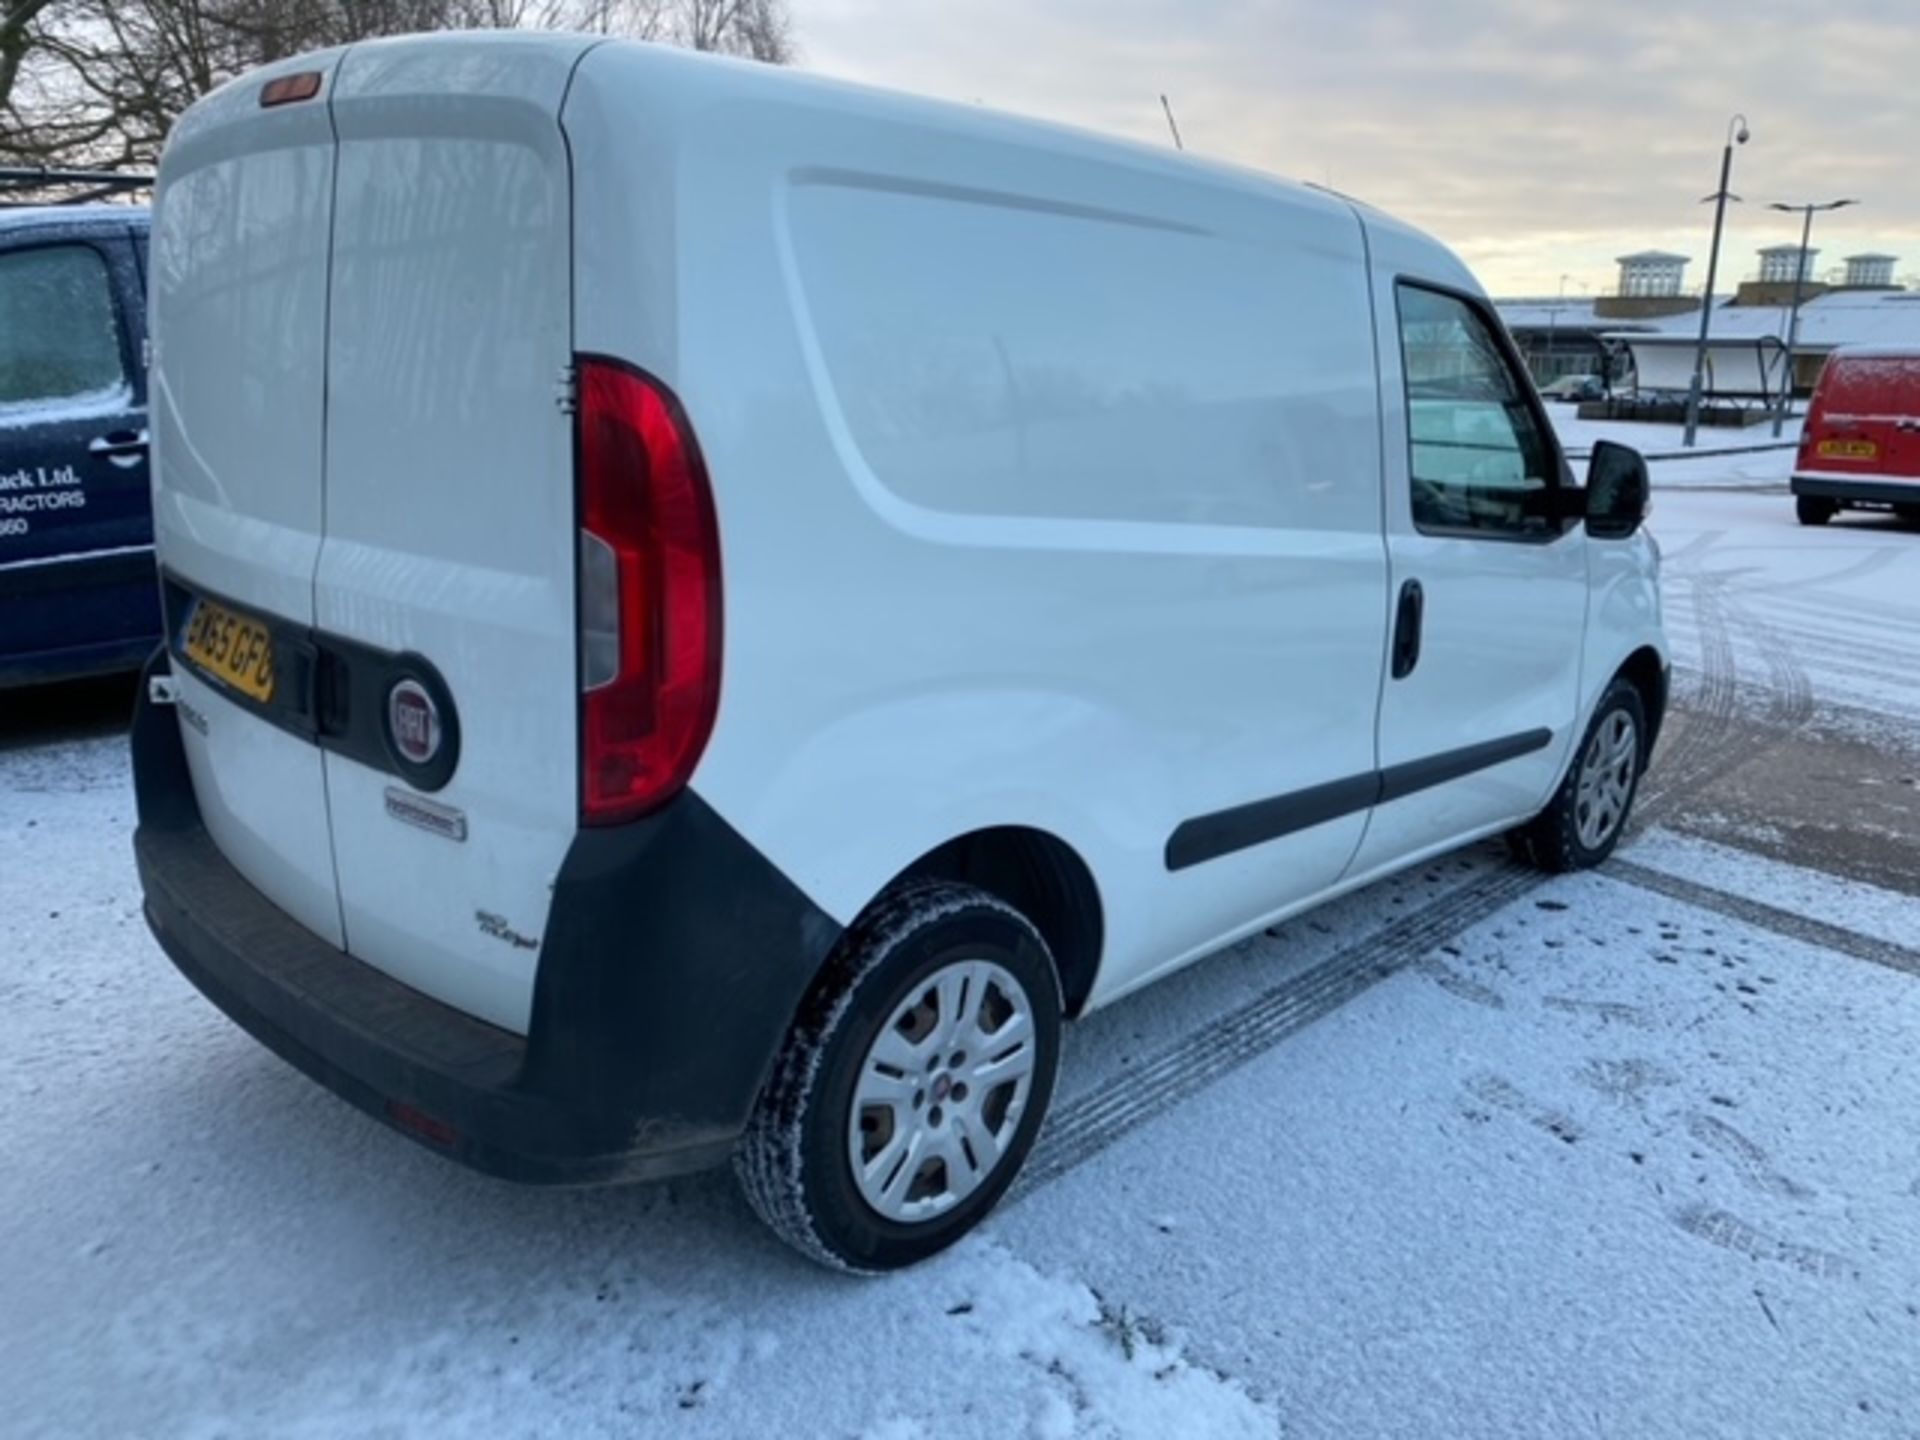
<point x="1613" y="1012"/>
<point x="1503" y="1094"/>
<point x="1730" y="1232"/>
<point x="1750" y="1162"/>
<point x="1626" y="1080"/>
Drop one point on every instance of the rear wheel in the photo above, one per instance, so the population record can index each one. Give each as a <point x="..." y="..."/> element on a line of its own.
<point x="1814" y="510"/>
<point x="912" y="1085"/>
<point x="1908" y="513"/>
<point x="1583" y="821"/>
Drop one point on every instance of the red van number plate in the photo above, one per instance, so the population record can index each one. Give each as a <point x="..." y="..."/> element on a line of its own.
<point x="1848" y="449"/>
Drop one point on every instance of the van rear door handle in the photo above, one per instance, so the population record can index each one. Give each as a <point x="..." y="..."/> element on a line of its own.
<point x="1406" y="629"/>
<point x="122" y="447"/>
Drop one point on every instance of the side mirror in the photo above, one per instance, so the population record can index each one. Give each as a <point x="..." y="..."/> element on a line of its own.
<point x="1618" y="491"/>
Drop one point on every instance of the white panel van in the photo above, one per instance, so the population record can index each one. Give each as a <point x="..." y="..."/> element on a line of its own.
<point x="709" y="611"/>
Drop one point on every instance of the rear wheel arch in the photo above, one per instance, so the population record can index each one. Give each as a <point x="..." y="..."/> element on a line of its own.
<point x="1042" y="877"/>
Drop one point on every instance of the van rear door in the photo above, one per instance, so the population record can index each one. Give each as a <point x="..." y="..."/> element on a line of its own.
<point x="238" y="291"/>
<point x="1865" y="417"/>
<point x="448" y="563"/>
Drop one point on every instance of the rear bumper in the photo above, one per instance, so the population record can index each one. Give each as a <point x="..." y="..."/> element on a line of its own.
<point x="674" y="959"/>
<point x="1864" y="488"/>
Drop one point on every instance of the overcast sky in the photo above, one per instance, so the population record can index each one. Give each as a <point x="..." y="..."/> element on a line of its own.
<point x="1537" y="137"/>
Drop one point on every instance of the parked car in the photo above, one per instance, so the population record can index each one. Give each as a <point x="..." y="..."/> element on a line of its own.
<point x="1860" y="447"/>
<point x="1574" y="388"/>
<point x="697" y="628"/>
<point x="78" y="593"/>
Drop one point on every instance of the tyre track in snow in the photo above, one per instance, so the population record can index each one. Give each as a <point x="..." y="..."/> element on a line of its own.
<point x="1874" y="560"/>
<point x="1711" y="709"/>
<point x="1790" y="702"/>
<point x="1853" y="615"/>
<point x="1818" y="933"/>
<point x="1083" y="1127"/>
<point x="1827" y="636"/>
<point x="1865" y="662"/>
<point x="1675" y="563"/>
<point x="1857" y="673"/>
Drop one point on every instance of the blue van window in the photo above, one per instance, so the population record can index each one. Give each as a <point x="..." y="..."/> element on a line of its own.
<point x="59" y="342"/>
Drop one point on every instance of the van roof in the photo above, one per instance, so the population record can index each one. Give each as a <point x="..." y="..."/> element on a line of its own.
<point x="1877" y="352"/>
<point x="689" y="80"/>
<point x="28" y="217"/>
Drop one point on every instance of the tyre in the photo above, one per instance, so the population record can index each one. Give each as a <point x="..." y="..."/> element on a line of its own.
<point x="912" y="1084"/>
<point x="1583" y="821"/>
<point x="1813" y="510"/>
<point x="1908" y="513"/>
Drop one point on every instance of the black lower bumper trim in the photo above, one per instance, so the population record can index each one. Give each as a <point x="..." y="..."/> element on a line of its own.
<point x="674" y="958"/>
<point x="1874" y="492"/>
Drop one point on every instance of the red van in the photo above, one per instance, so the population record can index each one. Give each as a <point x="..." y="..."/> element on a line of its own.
<point x="1861" y="447"/>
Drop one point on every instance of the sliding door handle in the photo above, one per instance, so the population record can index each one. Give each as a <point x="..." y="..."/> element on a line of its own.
<point x="1407" y="620"/>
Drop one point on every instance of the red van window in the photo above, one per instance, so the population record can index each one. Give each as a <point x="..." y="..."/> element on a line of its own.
<point x="1871" y="385"/>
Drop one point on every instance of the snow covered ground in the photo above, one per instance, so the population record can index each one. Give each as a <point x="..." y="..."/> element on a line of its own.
<point x="1472" y="1152"/>
<point x="1720" y="459"/>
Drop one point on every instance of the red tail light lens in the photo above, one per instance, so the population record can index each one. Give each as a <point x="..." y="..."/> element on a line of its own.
<point x="286" y="89"/>
<point x="649" y="594"/>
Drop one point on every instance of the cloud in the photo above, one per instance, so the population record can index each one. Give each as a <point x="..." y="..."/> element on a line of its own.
<point x="1537" y="137"/>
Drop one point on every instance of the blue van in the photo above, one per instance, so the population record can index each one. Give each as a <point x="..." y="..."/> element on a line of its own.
<point x="77" y="589"/>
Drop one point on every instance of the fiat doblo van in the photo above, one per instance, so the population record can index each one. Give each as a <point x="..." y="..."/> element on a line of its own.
<point x="709" y="610"/>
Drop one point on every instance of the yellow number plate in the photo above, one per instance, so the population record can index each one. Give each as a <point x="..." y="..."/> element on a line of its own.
<point x="1849" y="449"/>
<point x="232" y="649"/>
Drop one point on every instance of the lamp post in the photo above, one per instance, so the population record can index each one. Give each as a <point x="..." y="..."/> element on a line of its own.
<point x="1793" y="312"/>
<point x="1553" y="324"/>
<point x="1737" y="134"/>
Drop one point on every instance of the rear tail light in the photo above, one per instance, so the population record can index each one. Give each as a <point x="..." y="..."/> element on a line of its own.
<point x="286" y="89"/>
<point x="649" y="594"/>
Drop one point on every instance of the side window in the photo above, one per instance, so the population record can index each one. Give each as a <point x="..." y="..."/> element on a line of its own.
<point x="1479" y="460"/>
<point x="59" y="340"/>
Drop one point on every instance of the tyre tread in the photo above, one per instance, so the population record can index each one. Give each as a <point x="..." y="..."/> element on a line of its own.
<point x="1551" y="840"/>
<point x="768" y="1162"/>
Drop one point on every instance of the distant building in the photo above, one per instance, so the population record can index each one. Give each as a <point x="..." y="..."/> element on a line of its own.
<point x="1652" y="274"/>
<point x="1870" y="272"/>
<point x="1779" y="262"/>
<point x="1748" y="336"/>
<point x="1559" y="336"/>
<point x="1777" y="282"/>
<point x="1643" y="337"/>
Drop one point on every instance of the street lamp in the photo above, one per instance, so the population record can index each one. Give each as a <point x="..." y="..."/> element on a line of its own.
<point x="1737" y="134"/>
<point x="1553" y="323"/>
<point x="1793" y="314"/>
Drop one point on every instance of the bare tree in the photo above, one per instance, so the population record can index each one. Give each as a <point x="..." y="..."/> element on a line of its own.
<point x="764" y="31"/>
<point x="756" y="28"/>
<point x="19" y="32"/>
<point x="100" y="82"/>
